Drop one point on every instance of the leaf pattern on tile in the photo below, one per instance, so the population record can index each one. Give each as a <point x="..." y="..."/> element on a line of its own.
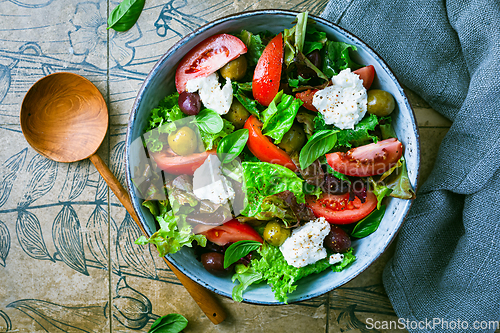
<point x="4" y="243"/>
<point x="8" y="323"/>
<point x="97" y="238"/>
<point x="67" y="236"/>
<point x="29" y="234"/>
<point x="118" y="161"/>
<point x="57" y="318"/>
<point x="138" y="258"/>
<point x="76" y="180"/>
<point x="131" y="308"/>
<point x="43" y="173"/>
<point x="8" y="174"/>
<point x="102" y="190"/>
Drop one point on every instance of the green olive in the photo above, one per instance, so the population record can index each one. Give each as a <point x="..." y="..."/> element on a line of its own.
<point x="237" y="114"/>
<point x="275" y="233"/>
<point x="235" y="69"/>
<point x="183" y="141"/>
<point x="380" y="102"/>
<point x="293" y="140"/>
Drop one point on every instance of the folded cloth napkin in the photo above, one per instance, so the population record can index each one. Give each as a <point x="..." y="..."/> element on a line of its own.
<point x="447" y="261"/>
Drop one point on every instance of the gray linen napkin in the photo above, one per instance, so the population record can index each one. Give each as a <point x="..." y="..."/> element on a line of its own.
<point x="447" y="261"/>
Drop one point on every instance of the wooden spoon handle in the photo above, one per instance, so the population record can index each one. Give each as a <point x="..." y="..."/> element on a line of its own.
<point x="202" y="296"/>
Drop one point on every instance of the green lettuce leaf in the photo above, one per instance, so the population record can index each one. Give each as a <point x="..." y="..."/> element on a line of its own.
<point x="170" y="239"/>
<point x="284" y="205"/>
<point x="240" y="91"/>
<point x="254" y="44"/>
<point x="380" y="190"/>
<point x="360" y="135"/>
<point x="264" y="179"/>
<point x="245" y="276"/>
<point x="166" y="112"/>
<point x="349" y="258"/>
<point x="399" y="182"/>
<point x="315" y="40"/>
<point x="211" y="140"/>
<point x="336" y="58"/>
<point x="282" y="120"/>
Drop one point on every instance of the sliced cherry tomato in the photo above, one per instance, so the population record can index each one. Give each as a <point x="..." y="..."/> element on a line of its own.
<point x="267" y="74"/>
<point x="337" y="209"/>
<point x="366" y="74"/>
<point x="175" y="164"/>
<point x="207" y="57"/>
<point x="369" y="160"/>
<point x="263" y="148"/>
<point x="230" y="232"/>
<point x="307" y="98"/>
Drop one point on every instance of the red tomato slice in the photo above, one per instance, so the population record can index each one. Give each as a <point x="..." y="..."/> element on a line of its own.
<point x="267" y="74"/>
<point x="369" y="160"/>
<point x="207" y="57"/>
<point x="307" y="98"/>
<point x="366" y="74"/>
<point x="230" y="232"/>
<point x="263" y="148"/>
<point x="337" y="209"/>
<point x="175" y="164"/>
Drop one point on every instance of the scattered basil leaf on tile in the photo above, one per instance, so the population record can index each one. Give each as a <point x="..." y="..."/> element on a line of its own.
<point x="232" y="145"/>
<point x="369" y="224"/>
<point x="209" y="121"/>
<point x="124" y="16"/>
<point x="238" y="250"/>
<point x="319" y="144"/>
<point x="171" y="323"/>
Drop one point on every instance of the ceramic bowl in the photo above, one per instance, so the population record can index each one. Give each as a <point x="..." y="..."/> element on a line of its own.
<point x="160" y="83"/>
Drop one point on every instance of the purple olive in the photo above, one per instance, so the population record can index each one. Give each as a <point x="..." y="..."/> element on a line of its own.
<point x="189" y="103"/>
<point x="337" y="240"/>
<point x="214" y="263"/>
<point x="315" y="58"/>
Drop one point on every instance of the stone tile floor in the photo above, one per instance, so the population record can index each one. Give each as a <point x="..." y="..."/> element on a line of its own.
<point x="57" y="221"/>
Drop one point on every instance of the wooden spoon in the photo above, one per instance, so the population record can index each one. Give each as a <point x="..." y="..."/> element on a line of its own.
<point x="64" y="118"/>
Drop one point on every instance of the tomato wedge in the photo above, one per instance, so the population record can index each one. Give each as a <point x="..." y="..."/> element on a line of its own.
<point x="263" y="148"/>
<point x="307" y="98"/>
<point x="267" y="74"/>
<point x="368" y="160"/>
<point x="337" y="209"/>
<point x="207" y="57"/>
<point x="175" y="164"/>
<point x="366" y="74"/>
<point x="230" y="232"/>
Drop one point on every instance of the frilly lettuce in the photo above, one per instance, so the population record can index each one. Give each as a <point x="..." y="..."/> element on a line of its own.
<point x="273" y="268"/>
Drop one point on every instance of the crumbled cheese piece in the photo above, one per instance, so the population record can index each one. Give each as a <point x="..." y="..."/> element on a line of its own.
<point x="210" y="184"/>
<point x="305" y="245"/>
<point x="336" y="258"/>
<point x="211" y="94"/>
<point x="342" y="104"/>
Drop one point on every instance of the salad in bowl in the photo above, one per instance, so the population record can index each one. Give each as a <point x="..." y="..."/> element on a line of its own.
<point x="274" y="159"/>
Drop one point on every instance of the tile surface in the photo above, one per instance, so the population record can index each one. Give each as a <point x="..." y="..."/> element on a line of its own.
<point x="67" y="258"/>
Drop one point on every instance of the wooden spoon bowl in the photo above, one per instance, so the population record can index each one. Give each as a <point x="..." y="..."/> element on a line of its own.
<point x="64" y="117"/>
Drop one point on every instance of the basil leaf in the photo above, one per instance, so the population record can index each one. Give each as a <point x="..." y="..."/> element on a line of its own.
<point x="282" y="120"/>
<point x="369" y="224"/>
<point x="124" y="16"/>
<point x="238" y="250"/>
<point x="319" y="144"/>
<point x="209" y="121"/>
<point x="336" y="58"/>
<point x="232" y="145"/>
<point x="171" y="323"/>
